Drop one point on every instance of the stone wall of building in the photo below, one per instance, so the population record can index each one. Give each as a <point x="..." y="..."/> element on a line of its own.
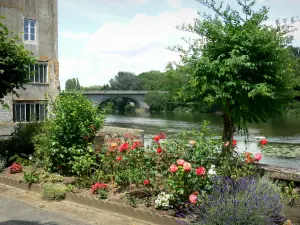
<point x="44" y="48"/>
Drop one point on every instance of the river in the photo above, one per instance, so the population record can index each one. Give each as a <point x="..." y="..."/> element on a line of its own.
<point x="283" y="133"/>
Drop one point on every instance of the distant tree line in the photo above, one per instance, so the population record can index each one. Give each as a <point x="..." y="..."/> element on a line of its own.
<point x="173" y="79"/>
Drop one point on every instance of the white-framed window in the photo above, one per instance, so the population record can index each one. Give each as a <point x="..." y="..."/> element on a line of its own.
<point x="29" y="30"/>
<point x="30" y="111"/>
<point x="38" y="73"/>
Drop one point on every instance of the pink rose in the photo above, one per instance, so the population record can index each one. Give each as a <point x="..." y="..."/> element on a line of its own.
<point x="180" y="162"/>
<point x="187" y="167"/>
<point x="258" y="156"/>
<point x="193" y="198"/>
<point x="200" y="171"/>
<point x="173" y="168"/>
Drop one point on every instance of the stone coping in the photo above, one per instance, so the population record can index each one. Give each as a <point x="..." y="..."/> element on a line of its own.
<point x="122" y="209"/>
<point x="281" y="173"/>
<point x="145" y="215"/>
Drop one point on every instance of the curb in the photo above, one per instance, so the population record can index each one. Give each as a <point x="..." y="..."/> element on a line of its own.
<point x="122" y="209"/>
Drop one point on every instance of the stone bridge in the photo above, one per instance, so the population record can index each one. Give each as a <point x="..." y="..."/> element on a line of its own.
<point x="98" y="97"/>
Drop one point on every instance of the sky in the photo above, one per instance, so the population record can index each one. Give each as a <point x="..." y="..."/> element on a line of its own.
<point x="99" y="38"/>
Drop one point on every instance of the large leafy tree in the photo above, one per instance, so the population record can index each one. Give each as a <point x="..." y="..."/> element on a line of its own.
<point x="72" y="84"/>
<point x="152" y="80"/>
<point x="125" y="81"/>
<point x="239" y="62"/>
<point x="14" y="62"/>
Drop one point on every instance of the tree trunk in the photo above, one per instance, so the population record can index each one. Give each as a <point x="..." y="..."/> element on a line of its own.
<point x="228" y="130"/>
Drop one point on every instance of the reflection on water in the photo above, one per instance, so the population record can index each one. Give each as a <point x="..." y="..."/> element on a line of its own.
<point x="282" y="133"/>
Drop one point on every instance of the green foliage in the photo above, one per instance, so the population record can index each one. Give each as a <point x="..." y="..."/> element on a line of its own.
<point x="19" y="159"/>
<point x="294" y="106"/>
<point x="87" y="168"/>
<point x="67" y="134"/>
<point x="158" y="101"/>
<point x="54" y="191"/>
<point x="31" y="177"/>
<point x="239" y="63"/>
<point x="103" y="194"/>
<point x="125" y="81"/>
<point x="152" y="80"/>
<point x="14" y="60"/>
<point x="72" y="85"/>
<point x="20" y="142"/>
<point x="290" y="191"/>
<point x="46" y="177"/>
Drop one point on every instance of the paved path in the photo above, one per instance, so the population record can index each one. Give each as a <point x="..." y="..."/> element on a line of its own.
<point x="18" y="207"/>
<point x="14" y="212"/>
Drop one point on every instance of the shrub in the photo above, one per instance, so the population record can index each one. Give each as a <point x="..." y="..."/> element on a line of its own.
<point x="51" y="178"/>
<point x="20" y="142"/>
<point x="54" y="191"/>
<point x="243" y="201"/>
<point x="16" y="168"/>
<point x="31" y="177"/>
<point x="68" y="131"/>
<point x="101" y="189"/>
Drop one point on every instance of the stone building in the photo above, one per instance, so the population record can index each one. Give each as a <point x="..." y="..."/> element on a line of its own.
<point x="36" y="21"/>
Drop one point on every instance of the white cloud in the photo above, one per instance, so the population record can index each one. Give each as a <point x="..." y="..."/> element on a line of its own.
<point x="174" y="3"/>
<point x="137" y="46"/>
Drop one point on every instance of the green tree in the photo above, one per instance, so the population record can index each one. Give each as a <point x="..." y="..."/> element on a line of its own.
<point x="239" y="63"/>
<point x="294" y="106"/>
<point x="68" y="131"/>
<point x="14" y="62"/>
<point x="152" y="80"/>
<point x="72" y="85"/>
<point x="125" y="81"/>
<point x="157" y="101"/>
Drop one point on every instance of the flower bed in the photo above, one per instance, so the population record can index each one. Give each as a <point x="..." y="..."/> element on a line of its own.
<point x="167" y="177"/>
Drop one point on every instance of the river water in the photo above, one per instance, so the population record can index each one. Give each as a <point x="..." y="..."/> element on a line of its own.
<point x="283" y="133"/>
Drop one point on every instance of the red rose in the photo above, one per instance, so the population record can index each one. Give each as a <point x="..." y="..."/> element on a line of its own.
<point x="159" y="150"/>
<point x="200" y="171"/>
<point x="234" y="142"/>
<point x="146" y="182"/>
<point x="264" y="141"/>
<point x="119" y="158"/>
<point x="162" y="135"/>
<point x="156" y="138"/>
<point x="123" y="147"/>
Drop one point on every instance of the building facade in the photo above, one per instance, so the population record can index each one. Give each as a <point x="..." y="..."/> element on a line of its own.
<point x="36" y="22"/>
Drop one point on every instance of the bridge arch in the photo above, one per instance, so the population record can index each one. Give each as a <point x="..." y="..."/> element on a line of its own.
<point x="99" y="97"/>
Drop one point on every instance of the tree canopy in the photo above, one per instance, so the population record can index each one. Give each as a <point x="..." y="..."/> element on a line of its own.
<point x="239" y="62"/>
<point x="14" y="62"/>
<point x="125" y="81"/>
<point x="72" y="85"/>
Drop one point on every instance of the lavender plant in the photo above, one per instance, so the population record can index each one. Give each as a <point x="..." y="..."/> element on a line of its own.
<point x="243" y="201"/>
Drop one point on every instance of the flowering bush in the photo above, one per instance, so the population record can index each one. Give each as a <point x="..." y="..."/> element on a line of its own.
<point x="184" y="181"/>
<point x="101" y="189"/>
<point x="163" y="201"/>
<point x="242" y="201"/>
<point x="16" y="168"/>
